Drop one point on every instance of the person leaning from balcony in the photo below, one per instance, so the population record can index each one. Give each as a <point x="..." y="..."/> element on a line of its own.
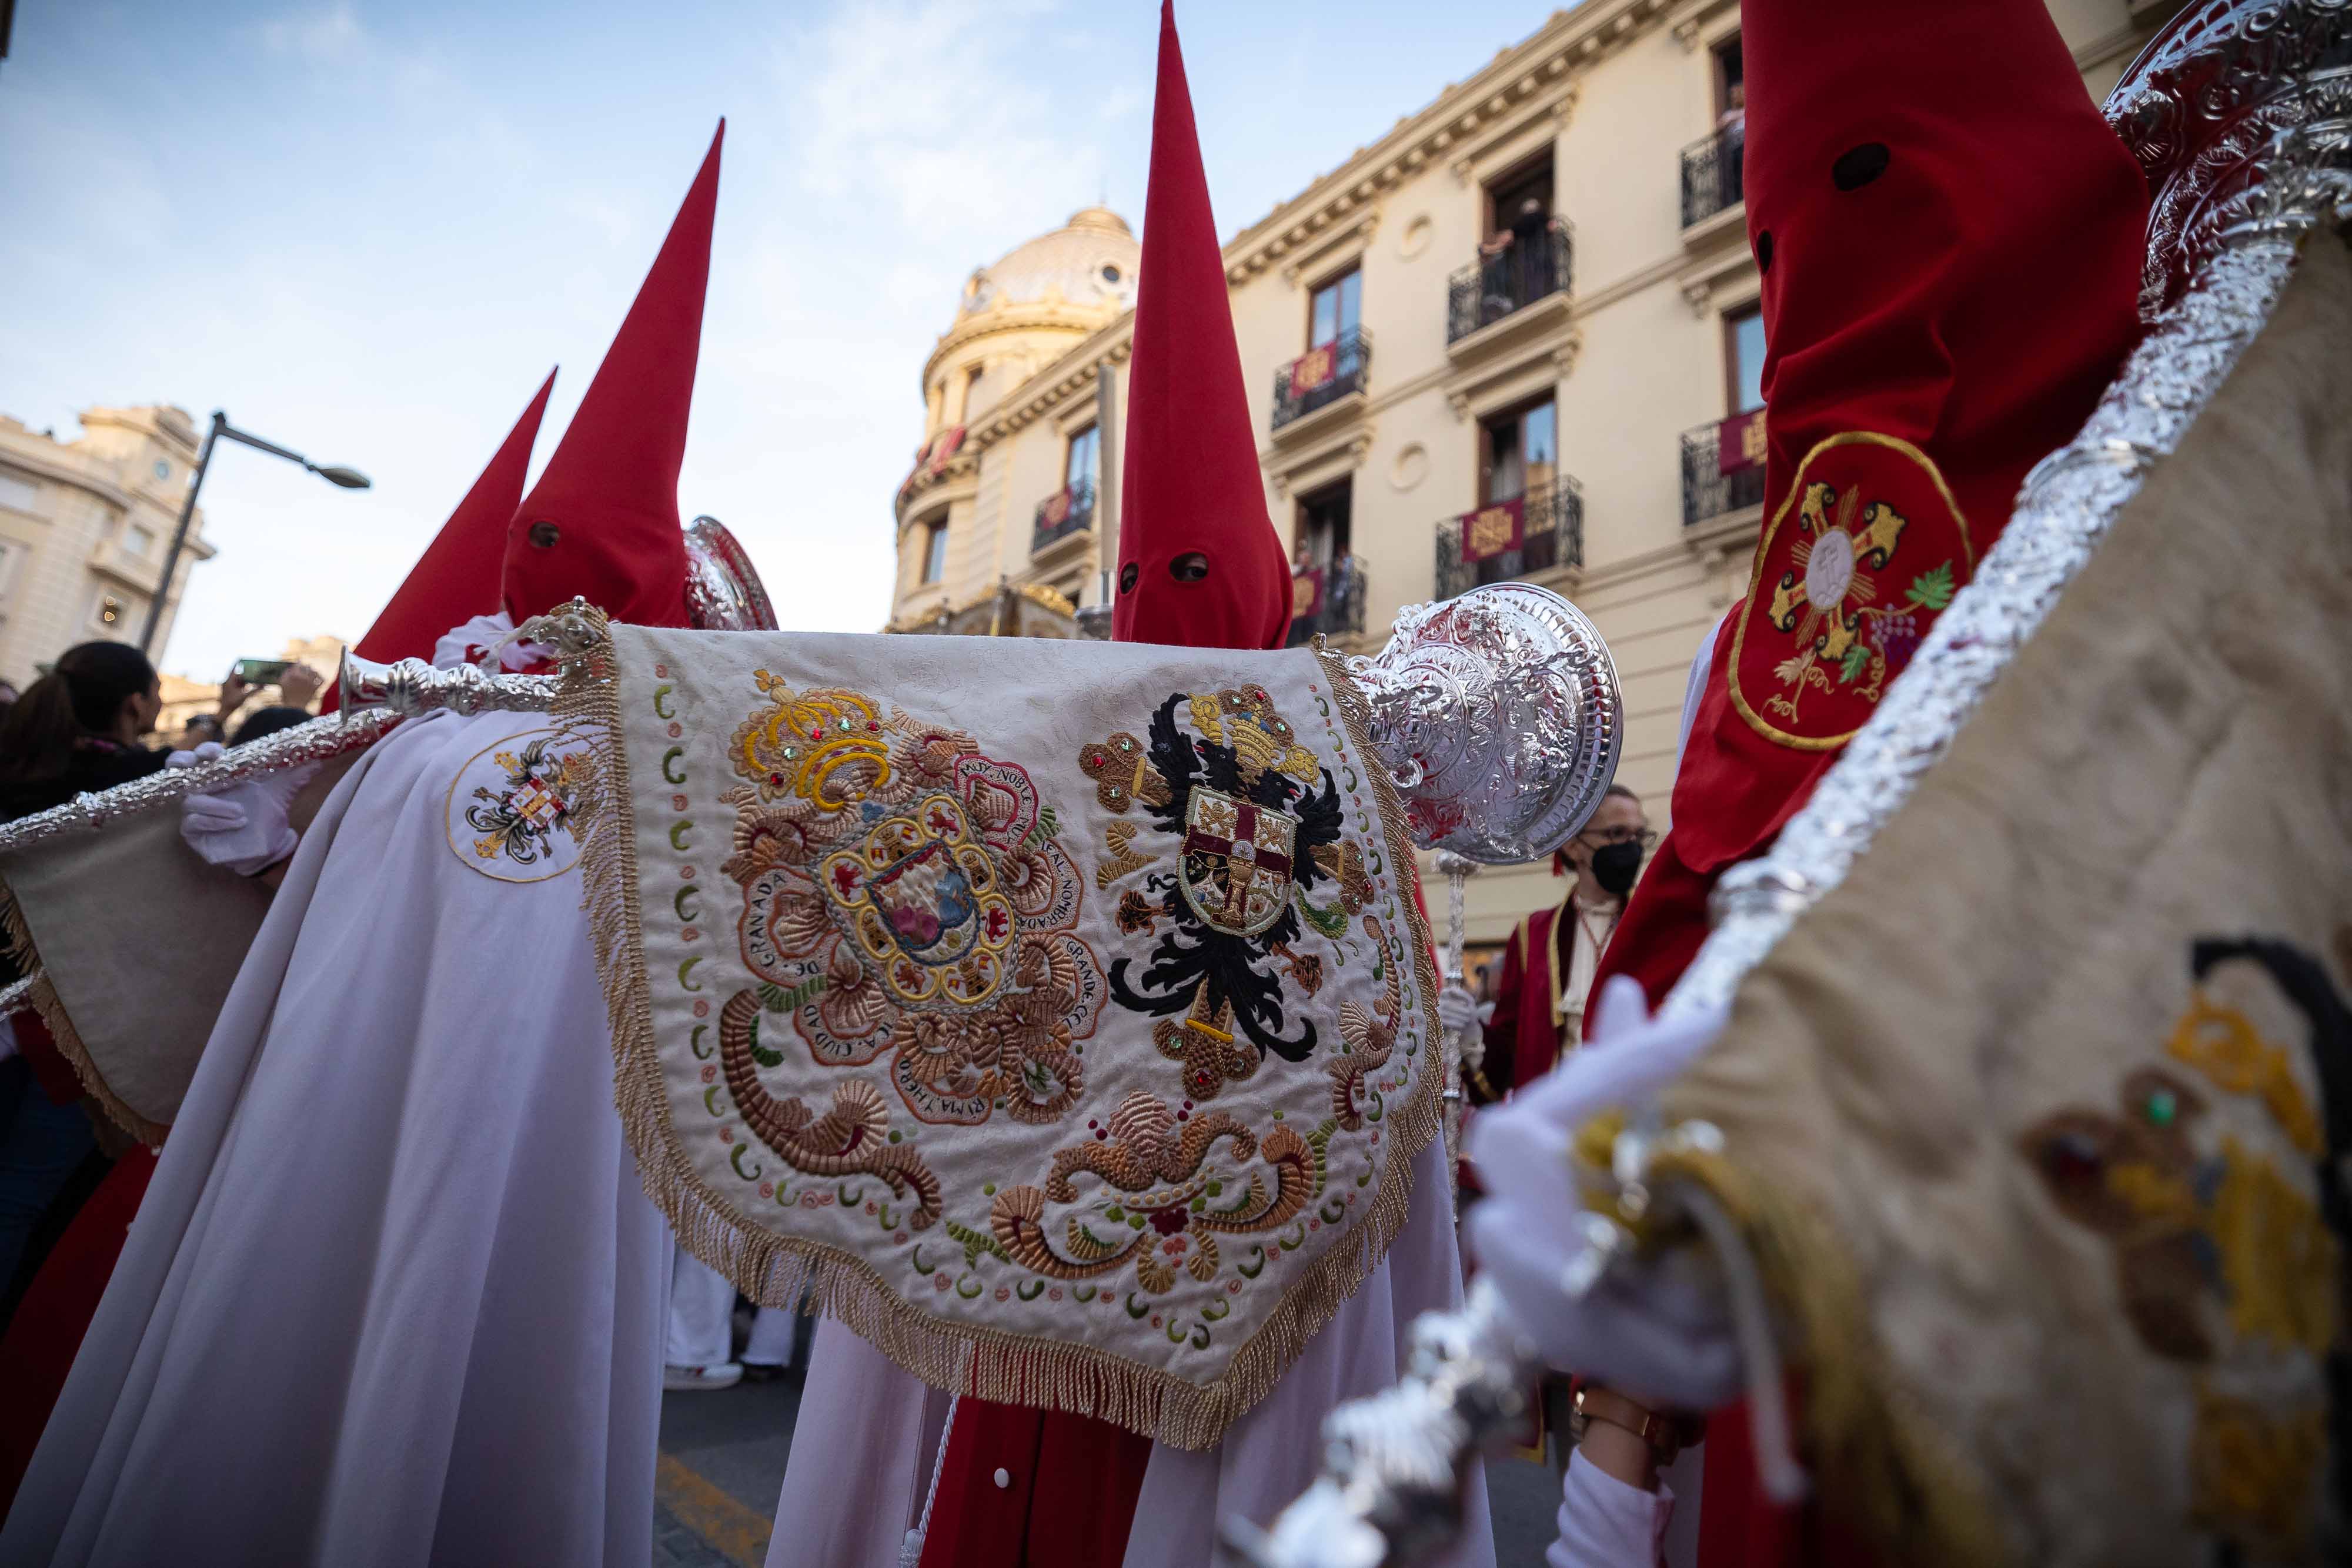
<point x="76" y="728"/>
<point x="1515" y="258"/>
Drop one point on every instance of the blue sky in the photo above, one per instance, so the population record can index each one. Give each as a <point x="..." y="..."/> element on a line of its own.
<point x="366" y="229"/>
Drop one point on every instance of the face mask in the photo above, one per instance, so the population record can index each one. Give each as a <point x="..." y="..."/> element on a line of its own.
<point x="1614" y="867"/>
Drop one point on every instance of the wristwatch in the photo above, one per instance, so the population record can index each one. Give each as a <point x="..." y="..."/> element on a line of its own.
<point x="1664" y="1434"/>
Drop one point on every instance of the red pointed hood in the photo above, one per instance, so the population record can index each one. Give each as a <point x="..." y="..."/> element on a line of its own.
<point x="1907" y="169"/>
<point x="1949" y="238"/>
<point x="1192" y="487"/>
<point x="456" y="578"/>
<point x="603" y="521"/>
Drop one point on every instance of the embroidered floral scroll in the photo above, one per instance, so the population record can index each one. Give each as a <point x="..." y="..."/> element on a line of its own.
<point x="1060" y="1010"/>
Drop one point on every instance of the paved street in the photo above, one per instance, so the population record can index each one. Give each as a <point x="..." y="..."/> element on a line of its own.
<point x="723" y="1460"/>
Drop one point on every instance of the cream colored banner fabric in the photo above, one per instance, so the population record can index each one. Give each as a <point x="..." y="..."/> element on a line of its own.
<point x="2039" y="1122"/>
<point x="1061" y="1009"/>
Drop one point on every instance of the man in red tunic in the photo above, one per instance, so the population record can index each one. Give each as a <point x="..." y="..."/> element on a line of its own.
<point x="1552" y="956"/>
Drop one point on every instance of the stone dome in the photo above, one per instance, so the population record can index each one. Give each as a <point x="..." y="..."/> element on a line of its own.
<point x="1089" y="261"/>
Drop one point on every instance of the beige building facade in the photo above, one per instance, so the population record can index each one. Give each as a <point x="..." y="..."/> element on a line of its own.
<point x="84" y="525"/>
<point x="1516" y="336"/>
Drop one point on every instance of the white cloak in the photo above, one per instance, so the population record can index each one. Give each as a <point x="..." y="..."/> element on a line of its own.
<point x="395" y="1294"/>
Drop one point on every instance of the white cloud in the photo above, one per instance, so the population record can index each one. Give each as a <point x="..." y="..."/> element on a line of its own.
<point x="940" y="108"/>
<point x="328" y="36"/>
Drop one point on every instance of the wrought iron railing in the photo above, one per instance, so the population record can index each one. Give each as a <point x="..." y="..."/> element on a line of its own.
<point x="1069" y="510"/>
<point x="1707" y="490"/>
<point x="1351" y="356"/>
<point x="1342" y="607"/>
<point x="1551" y="534"/>
<point x="1528" y="268"/>
<point x="1711" y="173"/>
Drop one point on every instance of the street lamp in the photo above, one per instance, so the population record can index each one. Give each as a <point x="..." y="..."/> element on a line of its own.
<point x="334" y="473"/>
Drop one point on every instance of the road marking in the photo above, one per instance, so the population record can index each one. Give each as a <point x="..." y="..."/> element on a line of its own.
<point x="736" y="1533"/>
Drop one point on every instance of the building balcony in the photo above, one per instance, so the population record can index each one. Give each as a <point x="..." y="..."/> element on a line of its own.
<point x="1323" y="377"/>
<point x="141" y="573"/>
<point x="1538" y="532"/>
<point x="1711" y="175"/>
<point x="1525" y="271"/>
<point x="1066" y="514"/>
<point x="1329" y="602"/>
<point x="1713" y="494"/>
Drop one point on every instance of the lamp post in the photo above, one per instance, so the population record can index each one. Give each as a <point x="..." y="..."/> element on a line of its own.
<point x="347" y="478"/>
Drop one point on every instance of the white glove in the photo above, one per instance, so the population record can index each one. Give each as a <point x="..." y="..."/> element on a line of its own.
<point x="1460" y="1013"/>
<point x="204" y="753"/>
<point x="1657" y="1329"/>
<point x="243" y="827"/>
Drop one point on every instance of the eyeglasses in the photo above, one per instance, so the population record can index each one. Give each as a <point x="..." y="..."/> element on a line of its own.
<point x="1642" y="836"/>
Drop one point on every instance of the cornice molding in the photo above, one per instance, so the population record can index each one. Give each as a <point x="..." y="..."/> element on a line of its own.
<point x="1051" y="314"/>
<point x="66" y="470"/>
<point x="1507" y="94"/>
<point x="1057" y="383"/>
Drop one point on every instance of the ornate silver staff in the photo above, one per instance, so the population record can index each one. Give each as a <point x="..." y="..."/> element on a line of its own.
<point x="2243" y="116"/>
<point x="1468" y="1048"/>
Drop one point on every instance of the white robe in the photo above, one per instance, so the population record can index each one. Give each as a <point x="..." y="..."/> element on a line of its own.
<point x="862" y="1455"/>
<point x="395" y="1294"/>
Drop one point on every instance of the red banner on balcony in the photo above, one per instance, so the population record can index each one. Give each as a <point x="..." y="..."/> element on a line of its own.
<point x="1492" y="529"/>
<point x="945" y="448"/>
<point x="1315" y="368"/>
<point x="1056" y="509"/>
<point x="1305" y="591"/>
<point x="1740" y="441"/>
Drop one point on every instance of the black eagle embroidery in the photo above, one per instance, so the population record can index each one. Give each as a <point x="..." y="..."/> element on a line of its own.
<point x="1221" y="980"/>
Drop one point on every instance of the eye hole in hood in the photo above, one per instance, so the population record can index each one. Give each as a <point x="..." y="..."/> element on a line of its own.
<point x="1858" y="166"/>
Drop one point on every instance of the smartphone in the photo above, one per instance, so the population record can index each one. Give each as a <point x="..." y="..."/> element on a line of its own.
<point x="262" y="672"/>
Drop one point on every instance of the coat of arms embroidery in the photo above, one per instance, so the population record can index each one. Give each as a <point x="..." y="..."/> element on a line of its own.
<point x="514" y="808"/>
<point x="1845" y="589"/>
<point x="905" y="896"/>
<point x="1236" y="866"/>
<point x="1257" y="824"/>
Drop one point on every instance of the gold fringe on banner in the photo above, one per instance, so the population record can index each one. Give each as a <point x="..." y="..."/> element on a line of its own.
<point x="776" y="1270"/>
<point x="43" y="996"/>
<point x="1875" y="1455"/>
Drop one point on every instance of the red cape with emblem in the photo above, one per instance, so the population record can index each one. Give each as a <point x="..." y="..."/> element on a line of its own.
<point x="1191" y="485"/>
<point x="1949" y="238"/>
<point x="456" y="578"/>
<point x="603" y="521"/>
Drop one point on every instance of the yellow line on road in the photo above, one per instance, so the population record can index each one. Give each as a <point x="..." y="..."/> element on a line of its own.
<point x="736" y="1533"/>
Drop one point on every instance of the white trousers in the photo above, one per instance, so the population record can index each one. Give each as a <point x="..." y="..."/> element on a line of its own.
<point x="702" y="1321"/>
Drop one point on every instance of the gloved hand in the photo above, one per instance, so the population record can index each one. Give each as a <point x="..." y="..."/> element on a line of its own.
<point x="207" y="752"/>
<point x="243" y="827"/>
<point x="1657" y="1329"/>
<point x="1459" y="1012"/>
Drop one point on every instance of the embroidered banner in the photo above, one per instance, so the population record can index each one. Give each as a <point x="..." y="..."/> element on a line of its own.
<point x="1740" y="441"/>
<point x="1490" y="531"/>
<point x="1305" y="591"/>
<point x="1060" y="1010"/>
<point x="2048" y="1106"/>
<point x="1315" y="368"/>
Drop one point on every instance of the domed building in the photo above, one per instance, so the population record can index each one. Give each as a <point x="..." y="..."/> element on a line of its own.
<point x="1043" y="303"/>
